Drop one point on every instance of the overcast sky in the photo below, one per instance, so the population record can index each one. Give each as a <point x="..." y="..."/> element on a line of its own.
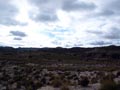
<point x="63" y="23"/>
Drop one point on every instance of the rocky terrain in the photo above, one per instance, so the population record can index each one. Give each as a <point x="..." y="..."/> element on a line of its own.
<point x="60" y="68"/>
<point x="30" y="77"/>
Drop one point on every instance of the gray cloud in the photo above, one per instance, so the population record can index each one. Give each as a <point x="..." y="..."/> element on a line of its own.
<point x="114" y="5"/>
<point x="75" y="5"/>
<point x="9" y="21"/>
<point x="18" y="33"/>
<point x="78" y="45"/>
<point x="100" y="43"/>
<point x="97" y="32"/>
<point x="47" y="9"/>
<point x="56" y="42"/>
<point x="110" y="8"/>
<point x="17" y="38"/>
<point x="18" y="45"/>
<point x="113" y="33"/>
<point x="39" y="2"/>
<point x="8" y="13"/>
<point x="45" y="16"/>
<point x="105" y="13"/>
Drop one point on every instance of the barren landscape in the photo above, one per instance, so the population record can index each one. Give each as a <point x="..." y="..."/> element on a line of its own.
<point x="60" y="68"/>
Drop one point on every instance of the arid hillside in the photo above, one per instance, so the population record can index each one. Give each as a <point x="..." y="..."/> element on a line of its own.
<point x="99" y="53"/>
<point x="69" y="57"/>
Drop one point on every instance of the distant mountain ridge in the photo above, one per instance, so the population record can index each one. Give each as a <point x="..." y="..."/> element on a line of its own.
<point x="76" y="53"/>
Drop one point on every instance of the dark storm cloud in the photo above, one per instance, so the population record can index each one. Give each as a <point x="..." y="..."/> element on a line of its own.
<point x="75" y="5"/>
<point x="17" y="38"/>
<point x="8" y="13"/>
<point x="18" y="33"/>
<point x="100" y="43"/>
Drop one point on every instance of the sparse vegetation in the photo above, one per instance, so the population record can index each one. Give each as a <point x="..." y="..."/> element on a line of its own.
<point x="94" y="80"/>
<point x="32" y="69"/>
<point x="56" y="83"/>
<point x="64" y="88"/>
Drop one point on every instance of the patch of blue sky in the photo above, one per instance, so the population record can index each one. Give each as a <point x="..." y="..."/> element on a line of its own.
<point x="63" y="30"/>
<point x="52" y="35"/>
